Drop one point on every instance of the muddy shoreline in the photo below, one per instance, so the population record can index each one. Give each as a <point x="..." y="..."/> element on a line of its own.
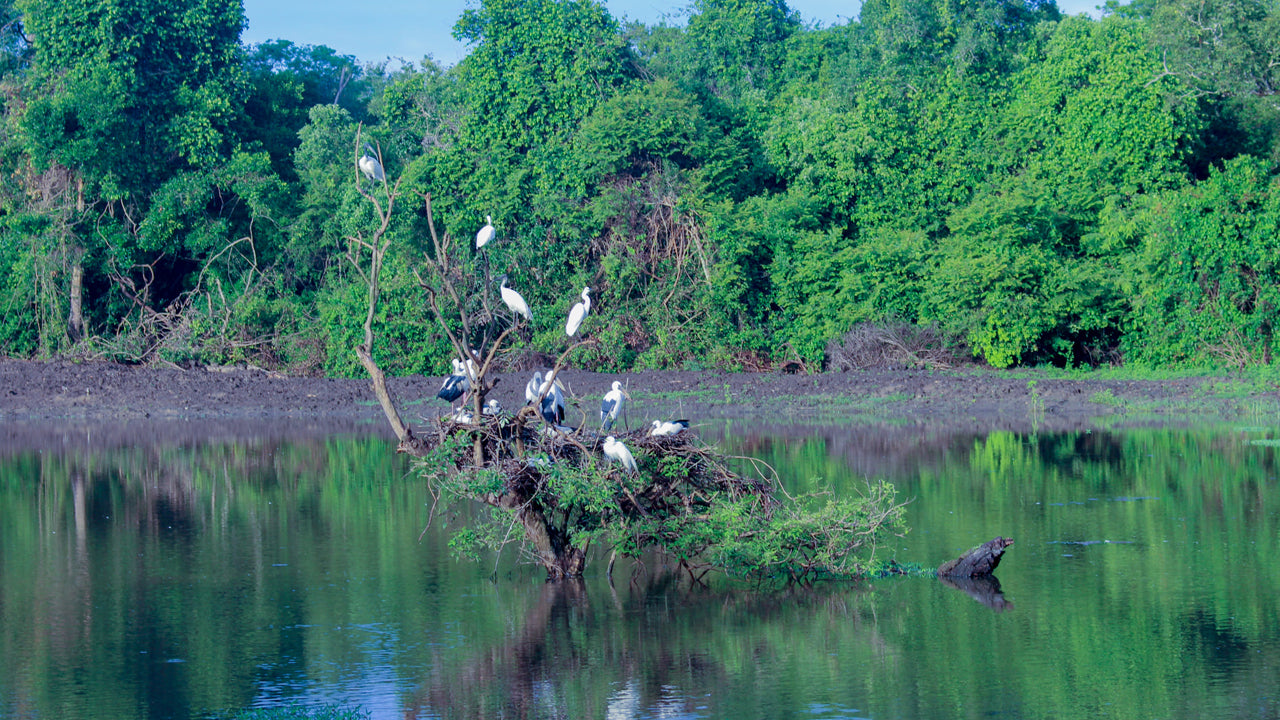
<point x="39" y="397"/>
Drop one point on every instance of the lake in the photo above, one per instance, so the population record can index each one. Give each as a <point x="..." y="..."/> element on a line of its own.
<point x="146" y="572"/>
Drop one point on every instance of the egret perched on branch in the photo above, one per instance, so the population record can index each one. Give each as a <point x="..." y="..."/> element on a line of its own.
<point x="515" y="302"/>
<point x="369" y="164"/>
<point x="456" y="384"/>
<point x="669" y="427"/>
<point x="485" y="233"/>
<point x="578" y="313"/>
<point x="552" y="406"/>
<point x="611" y="405"/>
<point x="617" y="452"/>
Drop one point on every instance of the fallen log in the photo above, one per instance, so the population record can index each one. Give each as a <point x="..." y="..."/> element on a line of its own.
<point x="978" y="562"/>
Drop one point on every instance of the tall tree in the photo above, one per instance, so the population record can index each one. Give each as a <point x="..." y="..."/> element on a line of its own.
<point x="122" y="96"/>
<point x="133" y="90"/>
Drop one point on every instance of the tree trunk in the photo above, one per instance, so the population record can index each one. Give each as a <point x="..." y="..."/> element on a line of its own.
<point x="555" y="554"/>
<point x="75" y="319"/>
<point x="978" y="562"/>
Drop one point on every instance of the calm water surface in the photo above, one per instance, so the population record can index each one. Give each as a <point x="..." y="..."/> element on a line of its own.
<point x="195" y="579"/>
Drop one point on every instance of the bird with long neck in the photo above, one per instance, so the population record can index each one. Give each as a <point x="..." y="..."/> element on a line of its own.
<point x="578" y="313"/>
<point x="515" y="301"/>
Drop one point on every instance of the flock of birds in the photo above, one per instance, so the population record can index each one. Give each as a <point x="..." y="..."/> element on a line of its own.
<point x="545" y="392"/>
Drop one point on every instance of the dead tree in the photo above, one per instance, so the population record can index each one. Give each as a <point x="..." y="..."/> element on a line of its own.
<point x="552" y="482"/>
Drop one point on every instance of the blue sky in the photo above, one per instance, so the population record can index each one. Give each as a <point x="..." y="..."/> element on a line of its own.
<point x="411" y="29"/>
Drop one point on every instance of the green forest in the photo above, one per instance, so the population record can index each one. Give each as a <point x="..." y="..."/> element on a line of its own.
<point x="1015" y="186"/>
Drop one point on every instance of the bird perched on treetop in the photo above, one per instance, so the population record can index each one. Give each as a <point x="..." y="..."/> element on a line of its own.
<point x="369" y="164"/>
<point x="485" y="233"/>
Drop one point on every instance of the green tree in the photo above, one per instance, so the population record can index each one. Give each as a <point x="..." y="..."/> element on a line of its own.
<point x="1207" y="284"/>
<point x="284" y="82"/>
<point x="121" y="98"/>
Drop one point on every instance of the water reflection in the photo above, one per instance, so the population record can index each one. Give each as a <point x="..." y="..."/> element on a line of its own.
<point x="183" y="578"/>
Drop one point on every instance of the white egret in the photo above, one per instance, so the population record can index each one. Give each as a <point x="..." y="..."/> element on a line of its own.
<point x="669" y="427"/>
<point x="515" y="302"/>
<point x="617" y="452"/>
<point x="578" y="313"/>
<point x="486" y="233"/>
<point x="369" y="164"/>
<point x="532" y="389"/>
<point x="611" y="405"/>
<point x="456" y="384"/>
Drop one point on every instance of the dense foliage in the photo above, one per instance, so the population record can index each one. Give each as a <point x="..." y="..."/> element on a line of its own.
<point x="737" y="191"/>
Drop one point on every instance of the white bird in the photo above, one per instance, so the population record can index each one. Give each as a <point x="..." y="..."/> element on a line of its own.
<point x="492" y="407"/>
<point x="486" y="233"/>
<point x="552" y="406"/>
<point x="455" y="385"/>
<point x="669" y="427"/>
<point x="578" y="313"/>
<point x="514" y="301"/>
<point x="471" y="367"/>
<point x="369" y="164"/>
<point x="617" y="452"/>
<point x="611" y="405"/>
<point x="462" y="416"/>
<point x="532" y="389"/>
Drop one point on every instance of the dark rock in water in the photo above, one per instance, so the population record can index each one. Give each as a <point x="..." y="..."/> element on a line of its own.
<point x="978" y="562"/>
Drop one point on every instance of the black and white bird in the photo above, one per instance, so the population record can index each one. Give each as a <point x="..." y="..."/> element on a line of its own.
<point x="617" y="452"/>
<point x="492" y="408"/>
<point x="369" y="164"/>
<point x="456" y="384"/>
<point x="578" y="313"/>
<point x="552" y="406"/>
<point x="611" y="406"/>
<point x="486" y="233"/>
<point x="515" y="302"/>
<point x="669" y="427"/>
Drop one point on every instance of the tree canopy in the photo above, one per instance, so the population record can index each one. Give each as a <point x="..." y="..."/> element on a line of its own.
<point x="740" y="191"/>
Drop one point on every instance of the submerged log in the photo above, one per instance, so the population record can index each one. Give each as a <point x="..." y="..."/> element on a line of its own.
<point x="978" y="562"/>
